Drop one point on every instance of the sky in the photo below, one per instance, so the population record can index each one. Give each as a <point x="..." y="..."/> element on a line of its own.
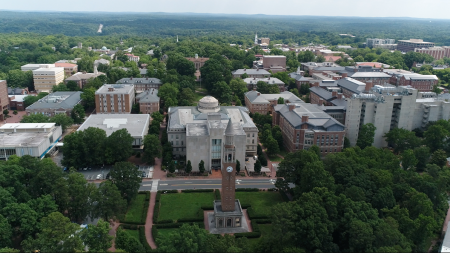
<point x="433" y="9"/>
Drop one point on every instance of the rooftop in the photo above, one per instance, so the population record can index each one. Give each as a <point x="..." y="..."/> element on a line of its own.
<point x="148" y="96"/>
<point x="18" y="98"/>
<point x="65" y="65"/>
<point x="32" y="139"/>
<point x="115" y="89"/>
<point x="251" y="72"/>
<point x="136" y="124"/>
<point x="26" y="126"/>
<point x="83" y="76"/>
<point x="370" y="75"/>
<point x="269" y="80"/>
<point x="265" y="98"/>
<point x="132" y="80"/>
<point x="47" y="70"/>
<point x="321" y="93"/>
<point x="352" y="85"/>
<point x="57" y="100"/>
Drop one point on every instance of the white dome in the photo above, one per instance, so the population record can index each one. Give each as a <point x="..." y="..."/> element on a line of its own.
<point x="208" y="104"/>
<point x="104" y="48"/>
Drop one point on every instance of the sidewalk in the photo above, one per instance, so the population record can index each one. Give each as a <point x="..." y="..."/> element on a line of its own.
<point x="149" y="221"/>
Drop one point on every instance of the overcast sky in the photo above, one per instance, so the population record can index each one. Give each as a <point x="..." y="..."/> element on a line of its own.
<point x="437" y="9"/>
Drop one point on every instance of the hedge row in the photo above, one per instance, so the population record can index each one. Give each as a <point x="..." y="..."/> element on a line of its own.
<point x="272" y="189"/>
<point x="165" y="221"/>
<point x="156" y="213"/>
<point x="247" y="190"/>
<point x="252" y="215"/>
<point x="245" y="206"/>
<point x="158" y="197"/>
<point x="144" y="240"/>
<point x="197" y="219"/>
<point x="284" y="196"/>
<point x="177" y="225"/>
<point x="154" y="233"/>
<point x="145" y="210"/>
<point x="169" y="191"/>
<point x="207" y="207"/>
<point x="129" y="226"/>
<point x="198" y="190"/>
<point x="147" y="194"/>
<point x="255" y="226"/>
<point x="248" y="235"/>
<point x="217" y="194"/>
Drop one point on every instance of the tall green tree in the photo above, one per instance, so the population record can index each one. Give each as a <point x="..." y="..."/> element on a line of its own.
<point x="201" y="166"/>
<point x="62" y="120"/>
<point x="110" y="203"/>
<point x="434" y="137"/>
<point x="366" y="136"/>
<point x="88" y="97"/>
<point x="402" y="139"/>
<point x="78" y="114"/>
<point x="188" y="168"/>
<point x="409" y="160"/>
<point x="118" y="146"/>
<point x="80" y="194"/>
<point x="126" y="177"/>
<point x="5" y="233"/>
<point x="152" y="148"/>
<point x="96" y="237"/>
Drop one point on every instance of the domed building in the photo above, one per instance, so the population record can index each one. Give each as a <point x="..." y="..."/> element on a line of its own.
<point x="198" y="132"/>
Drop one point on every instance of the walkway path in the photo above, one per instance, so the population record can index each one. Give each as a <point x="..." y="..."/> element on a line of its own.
<point x="149" y="221"/>
<point x="112" y="232"/>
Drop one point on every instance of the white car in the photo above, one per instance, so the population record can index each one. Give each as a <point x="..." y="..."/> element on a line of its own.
<point x="99" y="176"/>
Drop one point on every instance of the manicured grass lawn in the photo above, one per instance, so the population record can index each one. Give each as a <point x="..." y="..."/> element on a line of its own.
<point x="265" y="232"/>
<point x="175" y="206"/>
<point x="283" y="152"/>
<point x="135" y="209"/>
<point x="275" y="158"/>
<point x="164" y="232"/>
<point x="260" y="201"/>
<point x="134" y="233"/>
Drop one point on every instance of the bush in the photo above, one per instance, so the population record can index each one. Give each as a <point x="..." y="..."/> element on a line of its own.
<point x="246" y="206"/>
<point x="272" y="189"/>
<point x="253" y="216"/>
<point x="284" y="196"/>
<point x="168" y="191"/>
<point x="134" y="222"/>
<point x="262" y="221"/>
<point x="217" y="194"/>
<point x="154" y="232"/>
<point x="198" y="219"/>
<point x="198" y="190"/>
<point x="207" y="207"/>
<point x="129" y="226"/>
<point x="255" y="226"/>
<point x="247" y="190"/>
<point x="144" y="240"/>
<point x="248" y="235"/>
<point x="156" y="213"/>
<point x="145" y="211"/>
<point x="168" y="225"/>
<point x="158" y="197"/>
<point x="165" y="221"/>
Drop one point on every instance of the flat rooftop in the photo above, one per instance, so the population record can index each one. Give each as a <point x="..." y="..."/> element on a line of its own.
<point x="22" y="139"/>
<point x="58" y="100"/>
<point x="136" y="124"/>
<point x="26" y="126"/>
<point x="117" y="89"/>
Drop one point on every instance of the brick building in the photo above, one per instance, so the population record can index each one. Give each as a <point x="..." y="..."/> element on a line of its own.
<point x="81" y="78"/>
<point x="114" y="98"/>
<point x="258" y="73"/>
<point x="376" y="78"/>
<point x="251" y="82"/>
<point x="303" y="125"/>
<point x="419" y="82"/>
<point x="436" y="52"/>
<point x="69" y="68"/>
<point x="275" y="63"/>
<point x="4" y="101"/>
<point x="264" y="103"/>
<point x="16" y="102"/>
<point x="141" y="84"/>
<point x="148" y="101"/>
<point x="411" y="44"/>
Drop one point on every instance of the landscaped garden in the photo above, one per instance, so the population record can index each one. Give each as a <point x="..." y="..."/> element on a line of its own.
<point x="260" y="201"/>
<point x="136" y="210"/>
<point x="184" y="205"/>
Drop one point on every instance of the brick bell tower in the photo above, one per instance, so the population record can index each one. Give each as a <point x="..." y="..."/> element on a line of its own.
<point x="228" y="170"/>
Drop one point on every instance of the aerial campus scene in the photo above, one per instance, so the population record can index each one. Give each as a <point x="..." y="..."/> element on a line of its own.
<point x="235" y="126"/>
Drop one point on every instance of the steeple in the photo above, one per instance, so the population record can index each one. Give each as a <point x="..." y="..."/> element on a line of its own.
<point x="177" y="38"/>
<point x="298" y="70"/>
<point x="229" y="130"/>
<point x="256" y="38"/>
<point x="229" y="135"/>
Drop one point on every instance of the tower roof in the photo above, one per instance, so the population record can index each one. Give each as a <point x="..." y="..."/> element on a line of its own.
<point x="229" y="130"/>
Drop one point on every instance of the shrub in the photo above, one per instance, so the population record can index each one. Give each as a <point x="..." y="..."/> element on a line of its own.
<point x="168" y="191"/>
<point x="284" y="196"/>
<point x="217" y="194"/>
<point x="246" y="206"/>
<point x="156" y="213"/>
<point x="129" y="226"/>
<point x="262" y="221"/>
<point x="198" y="190"/>
<point x="135" y="223"/>
<point x="207" y="207"/>
<point x="272" y="189"/>
<point x="252" y="215"/>
<point x="168" y="225"/>
<point x="247" y="190"/>
<point x="144" y="240"/>
<point x="198" y="219"/>
<point x="248" y="235"/>
<point x="145" y="211"/>
<point x="158" y="197"/>
<point x="165" y="221"/>
<point x="154" y="232"/>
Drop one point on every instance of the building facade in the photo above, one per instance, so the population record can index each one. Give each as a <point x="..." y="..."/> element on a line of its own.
<point x="274" y="63"/>
<point x="132" y="57"/>
<point x="32" y="67"/>
<point x="141" y="84"/>
<point x="81" y="78"/>
<point x="436" y="52"/>
<point x="114" y="98"/>
<point x="303" y="125"/>
<point x="373" y="42"/>
<point x="69" y="68"/>
<point x="199" y="132"/>
<point x="252" y="82"/>
<point x="56" y="103"/>
<point x="254" y="73"/>
<point x="420" y="82"/>
<point x="16" y="102"/>
<point x="45" y="78"/>
<point x="411" y="44"/>
<point x="264" y="103"/>
<point x="4" y="100"/>
<point x="34" y="139"/>
<point x="148" y="101"/>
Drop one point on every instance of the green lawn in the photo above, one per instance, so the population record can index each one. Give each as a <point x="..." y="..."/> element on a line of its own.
<point x="175" y="206"/>
<point x="134" y="233"/>
<point x="135" y="209"/>
<point x="265" y="232"/>
<point x="275" y="158"/>
<point x="164" y="232"/>
<point x="260" y="201"/>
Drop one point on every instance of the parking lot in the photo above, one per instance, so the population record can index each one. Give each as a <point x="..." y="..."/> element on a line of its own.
<point x="101" y="173"/>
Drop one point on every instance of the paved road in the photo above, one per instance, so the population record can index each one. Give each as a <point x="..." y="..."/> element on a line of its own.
<point x="154" y="185"/>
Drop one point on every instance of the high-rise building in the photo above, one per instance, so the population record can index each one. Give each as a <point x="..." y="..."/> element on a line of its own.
<point x="411" y="44"/>
<point x="114" y="98"/>
<point x="436" y="52"/>
<point x="376" y="41"/>
<point x="45" y="78"/>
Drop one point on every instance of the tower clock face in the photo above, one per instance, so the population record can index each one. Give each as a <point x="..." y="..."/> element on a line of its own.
<point x="229" y="169"/>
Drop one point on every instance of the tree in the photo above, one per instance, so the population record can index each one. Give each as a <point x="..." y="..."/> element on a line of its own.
<point x="72" y="86"/>
<point x="168" y="93"/>
<point x="238" y="166"/>
<point x="434" y="137"/>
<point x="43" y="206"/>
<point x="96" y="237"/>
<point x="126" y="177"/>
<point x="110" y="203"/>
<point x="118" y="146"/>
<point x="423" y="155"/>
<point x="436" y="89"/>
<point x="171" y="167"/>
<point x="6" y="112"/>
<point x="60" y="87"/>
<point x="402" y="139"/>
<point x="5" y="232"/>
<point x="78" y="114"/>
<point x="15" y="112"/>
<point x="35" y="118"/>
<point x="19" y="78"/>
<point x="29" y="100"/>
<point x="409" y="160"/>
<point x="366" y="136"/>
<point x="320" y="58"/>
<point x="257" y="167"/>
<point x="346" y="143"/>
<point x="62" y="120"/>
<point x="272" y="146"/>
<point x="57" y="234"/>
<point x="88" y="97"/>
<point x="127" y="242"/>
<point x="222" y="92"/>
<point x="439" y="157"/>
<point x="201" y="166"/>
<point x="152" y="148"/>
<point x="280" y="101"/>
<point x="188" y="168"/>
<point x="238" y="88"/>
<point x="80" y="194"/>
<point x="21" y="216"/>
<point x="157" y="116"/>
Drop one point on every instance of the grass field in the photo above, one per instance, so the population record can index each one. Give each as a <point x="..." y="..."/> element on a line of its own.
<point x="164" y="232"/>
<point x="135" y="209"/>
<point x="260" y="201"/>
<point x="265" y="232"/>
<point x="184" y="205"/>
<point x="134" y="233"/>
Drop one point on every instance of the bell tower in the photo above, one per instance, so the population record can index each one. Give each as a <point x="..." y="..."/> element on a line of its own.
<point x="228" y="170"/>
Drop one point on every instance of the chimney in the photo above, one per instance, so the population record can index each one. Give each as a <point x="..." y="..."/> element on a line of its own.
<point x="369" y="85"/>
<point x="316" y="84"/>
<point x="339" y="95"/>
<point x="258" y="93"/>
<point x="305" y="118"/>
<point x="291" y="107"/>
<point x="344" y="75"/>
<point x="334" y="93"/>
<point x="111" y="89"/>
<point x="320" y="101"/>
<point x="254" y="88"/>
<point x="131" y="78"/>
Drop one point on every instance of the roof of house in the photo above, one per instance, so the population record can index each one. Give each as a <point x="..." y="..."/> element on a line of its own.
<point x="14" y="91"/>
<point x="251" y="72"/>
<point x="322" y="93"/>
<point x="148" y="96"/>
<point x="254" y="98"/>
<point x="268" y="80"/>
<point x="370" y="75"/>
<point x="136" y="124"/>
<point x="17" y="98"/>
<point x="83" y="76"/>
<point x="57" y="100"/>
<point x="65" y="65"/>
<point x="332" y="58"/>
<point x="117" y="89"/>
<point x="352" y="85"/>
<point x="339" y="102"/>
<point x="422" y="77"/>
<point x="132" y="80"/>
<point x="317" y="118"/>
